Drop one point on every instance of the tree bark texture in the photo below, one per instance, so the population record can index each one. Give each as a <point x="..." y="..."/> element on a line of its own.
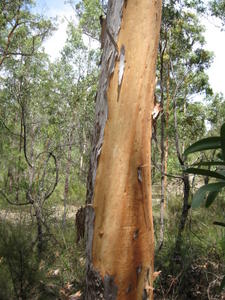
<point x="120" y="241"/>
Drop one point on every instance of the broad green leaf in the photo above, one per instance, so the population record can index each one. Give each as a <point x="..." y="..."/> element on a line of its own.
<point x="222" y="136"/>
<point x="211" y="197"/>
<point x="213" y="142"/>
<point x="200" y="194"/>
<point x="210" y="163"/>
<point x="219" y="223"/>
<point x="205" y="173"/>
<point x="222" y="285"/>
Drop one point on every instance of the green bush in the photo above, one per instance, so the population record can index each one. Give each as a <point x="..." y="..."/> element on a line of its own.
<point x="19" y="262"/>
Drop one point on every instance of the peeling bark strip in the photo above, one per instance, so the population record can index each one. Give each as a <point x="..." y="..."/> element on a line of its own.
<point x="121" y="70"/>
<point x="119" y="215"/>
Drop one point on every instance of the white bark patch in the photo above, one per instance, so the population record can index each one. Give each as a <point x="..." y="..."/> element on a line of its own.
<point x="121" y="70"/>
<point x="122" y="64"/>
<point x="156" y="111"/>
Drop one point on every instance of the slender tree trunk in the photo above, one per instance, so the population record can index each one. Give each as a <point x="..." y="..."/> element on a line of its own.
<point x="184" y="214"/>
<point x="120" y="243"/>
<point x="38" y="217"/>
<point x="83" y="152"/>
<point x="167" y="137"/>
<point x="66" y="186"/>
<point x="162" y="147"/>
<point x="19" y="160"/>
<point x="186" y="206"/>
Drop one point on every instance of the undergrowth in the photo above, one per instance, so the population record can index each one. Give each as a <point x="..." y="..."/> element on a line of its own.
<point x="25" y="275"/>
<point x="196" y="272"/>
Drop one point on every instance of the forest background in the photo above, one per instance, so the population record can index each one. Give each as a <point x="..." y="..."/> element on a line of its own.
<point x="47" y="112"/>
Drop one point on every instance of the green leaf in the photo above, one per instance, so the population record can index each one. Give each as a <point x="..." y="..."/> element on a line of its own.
<point x="210" y="163"/>
<point x="222" y="285"/>
<point x="211" y="197"/>
<point x="200" y="194"/>
<point x="213" y="142"/>
<point x="219" y="223"/>
<point x="222" y="136"/>
<point x="205" y="173"/>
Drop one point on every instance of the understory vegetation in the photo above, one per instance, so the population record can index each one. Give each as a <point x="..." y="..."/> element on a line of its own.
<point x="197" y="270"/>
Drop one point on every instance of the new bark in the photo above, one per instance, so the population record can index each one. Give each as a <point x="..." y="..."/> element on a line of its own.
<point x="120" y="243"/>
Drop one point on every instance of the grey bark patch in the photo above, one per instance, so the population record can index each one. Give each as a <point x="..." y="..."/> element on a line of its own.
<point x="89" y="223"/>
<point x="139" y="174"/>
<point x="138" y="270"/>
<point x="94" y="285"/>
<point x="129" y="289"/>
<point x="135" y="235"/>
<point x="110" y="289"/>
<point x="145" y="295"/>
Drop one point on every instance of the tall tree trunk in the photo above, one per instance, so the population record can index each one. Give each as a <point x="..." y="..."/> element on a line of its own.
<point x="120" y="243"/>
<point x="166" y="125"/>
<point x="83" y="152"/>
<point x="186" y="206"/>
<point x="66" y="186"/>
<point x="162" y="146"/>
<point x="38" y="216"/>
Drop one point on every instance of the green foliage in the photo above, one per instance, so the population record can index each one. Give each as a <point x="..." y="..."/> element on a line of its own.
<point x="89" y="12"/>
<point x="211" y="143"/>
<point x="21" y="31"/>
<point x="19" y="261"/>
<point x="218" y="9"/>
<point x="201" y="261"/>
<point x="212" y="189"/>
<point x="204" y="144"/>
<point x="23" y="275"/>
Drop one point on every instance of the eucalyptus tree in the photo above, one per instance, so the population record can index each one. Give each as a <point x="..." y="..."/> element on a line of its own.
<point x="21" y="30"/>
<point x="120" y="242"/>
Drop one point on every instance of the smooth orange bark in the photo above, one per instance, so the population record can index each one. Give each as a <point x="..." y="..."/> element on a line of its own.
<point x="123" y="244"/>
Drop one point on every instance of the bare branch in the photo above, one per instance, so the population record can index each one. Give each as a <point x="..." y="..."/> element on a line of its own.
<point x="5" y="53"/>
<point x="7" y="128"/>
<point x="11" y="202"/>
<point x="25" y="137"/>
<point x="166" y="174"/>
<point x="56" y="176"/>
